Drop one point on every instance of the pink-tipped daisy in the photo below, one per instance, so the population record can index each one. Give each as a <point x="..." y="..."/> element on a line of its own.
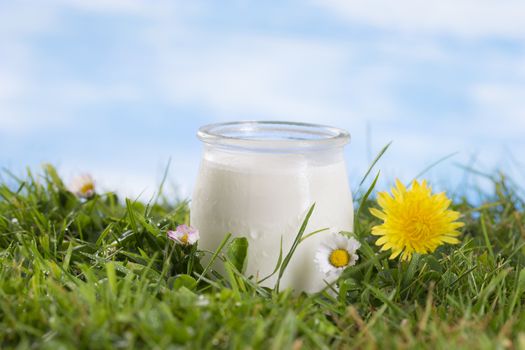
<point x="184" y="234"/>
<point x="83" y="186"/>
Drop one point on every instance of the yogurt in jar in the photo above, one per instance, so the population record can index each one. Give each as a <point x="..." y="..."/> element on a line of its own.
<point x="264" y="193"/>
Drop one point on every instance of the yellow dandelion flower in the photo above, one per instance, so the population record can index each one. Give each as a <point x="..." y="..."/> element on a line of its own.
<point x="415" y="220"/>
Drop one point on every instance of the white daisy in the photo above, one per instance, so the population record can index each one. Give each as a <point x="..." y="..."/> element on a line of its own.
<point x="83" y="186"/>
<point x="336" y="254"/>
<point x="184" y="234"/>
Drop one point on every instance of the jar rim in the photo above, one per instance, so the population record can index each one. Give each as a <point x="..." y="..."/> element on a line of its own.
<point x="273" y="136"/>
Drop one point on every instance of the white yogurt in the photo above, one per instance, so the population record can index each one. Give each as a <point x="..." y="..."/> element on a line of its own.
<point x="265" y="196"/>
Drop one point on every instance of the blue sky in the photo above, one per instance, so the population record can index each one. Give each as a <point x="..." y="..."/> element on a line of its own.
<point x="117" y="87"/>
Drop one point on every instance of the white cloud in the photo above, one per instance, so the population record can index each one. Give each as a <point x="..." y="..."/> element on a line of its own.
<point x="255" y="76"/>
<point x="80" y="93"/>
<point x="18" y="22"/>
<point x="11" y="86"/>
<point x="24" y="85"/>
<point x="107" y="6"/>
<point x="173" y="10"/>
<point x="21" y="19"/>
<point x="501" y="108"/>
<point x="465" y="18"/>
<point x="269" y="77"/>
<point x="70" y="96"/>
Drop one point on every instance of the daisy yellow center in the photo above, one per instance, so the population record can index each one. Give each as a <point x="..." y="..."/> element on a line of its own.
<point x="87" y="187"/>
<point x="184" y="238"/>
<point x="339" y="258"/>
<point x="415" y="221"/>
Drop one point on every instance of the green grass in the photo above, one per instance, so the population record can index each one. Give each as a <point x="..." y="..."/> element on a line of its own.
<point x="101" y="274"/>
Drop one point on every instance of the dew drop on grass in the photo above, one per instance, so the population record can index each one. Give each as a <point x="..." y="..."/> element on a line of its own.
<point x="255" y="235"/>
<point x="202" y="301"/>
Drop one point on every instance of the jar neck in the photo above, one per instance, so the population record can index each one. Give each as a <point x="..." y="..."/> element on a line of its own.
<point x="286" y="160"/>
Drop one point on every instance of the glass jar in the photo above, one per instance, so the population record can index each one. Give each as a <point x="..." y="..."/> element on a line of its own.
<point x="259" y="179"/>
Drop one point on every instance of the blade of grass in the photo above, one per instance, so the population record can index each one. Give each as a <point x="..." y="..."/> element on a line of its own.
<point x="214" y="256"/>
<point x="362" y="202"/>
<point x="377" y="158"/>
<point x="278" y="265"/>
<point x="434" y="164"/>
<point x="486" y="236"/>
<point x="295" y="244"/>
